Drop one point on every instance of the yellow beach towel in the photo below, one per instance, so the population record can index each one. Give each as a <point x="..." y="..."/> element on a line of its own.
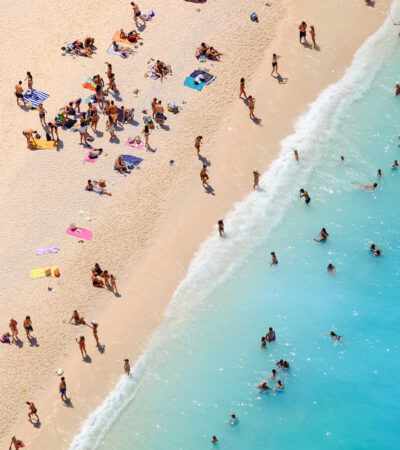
<point x="40" y="272"/>
<point x="42" y="144"/>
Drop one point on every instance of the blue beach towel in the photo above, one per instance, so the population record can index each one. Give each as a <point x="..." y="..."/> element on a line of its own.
<point x="189" y="82"/>
<point x="130" y="159"/>
<point x="37" y="98"/>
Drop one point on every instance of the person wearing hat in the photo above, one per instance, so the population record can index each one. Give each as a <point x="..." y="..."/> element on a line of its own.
<point x="256" y="178"/>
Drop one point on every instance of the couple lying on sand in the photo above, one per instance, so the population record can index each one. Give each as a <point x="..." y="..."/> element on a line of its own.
<point x="208" y="52"/>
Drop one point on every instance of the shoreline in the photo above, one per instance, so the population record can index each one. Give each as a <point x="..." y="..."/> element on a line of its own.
<point x="180" y="232"/>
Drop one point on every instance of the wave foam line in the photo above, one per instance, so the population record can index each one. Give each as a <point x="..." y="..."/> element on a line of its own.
<point x="217" y="257"/>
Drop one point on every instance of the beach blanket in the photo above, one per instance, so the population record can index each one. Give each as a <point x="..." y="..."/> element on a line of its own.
<point x="113" y="52"/>
<point x="40" y="272"/>
<point x="48" y="249"/>
<point x="124" y="41"/>
<point x="91" y="160"/>
<point x="80" y="233"/>
<point x="189" y="82"/>
<point x="36" y="98"/>
<point x="205" y="76"/>
<point x="130" y="159"/>
<point x="132" y="143"/>
<point x="89" y="84"/>
<point x="41" y="144"/>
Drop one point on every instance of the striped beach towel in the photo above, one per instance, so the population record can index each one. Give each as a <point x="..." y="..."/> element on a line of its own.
<point x="37" y="98"/>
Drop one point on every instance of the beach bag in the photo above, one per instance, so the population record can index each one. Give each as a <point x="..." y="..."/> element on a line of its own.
<point x="57" y="272"/>
<point x="47" y="272"/>
<point x="253" y="17"/>
<point x="48" y="137"/>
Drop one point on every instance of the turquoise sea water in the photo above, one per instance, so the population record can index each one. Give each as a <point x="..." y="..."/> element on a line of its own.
<point x="206" y="362"/>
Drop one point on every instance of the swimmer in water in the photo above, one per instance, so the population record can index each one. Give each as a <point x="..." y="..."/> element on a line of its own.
<point x="375" y="250"/>
<point x="367" y="187"/>
<point x="341" y="159"/>
<point x="263" y="342"/>
<point x="264" y="386"/>
<point x="214" y="439"/>
<point x="333" y="335"/>
<point x="379" y="173"/>
<point x="286" y="365"/>
<point x="395" y="165"/>
<point x="304" y="193"/>
<point x="273" y="374"/>
<point x="270" y="336"/>
<point x="234" y="419"/>
<point x="296" y="155"/>
<point x="274" y="259"/>
<point x="378" y="252"/>
<point x="331" y="269"/>
<point x="280" y="386"/>
<point x="323" y="236"/>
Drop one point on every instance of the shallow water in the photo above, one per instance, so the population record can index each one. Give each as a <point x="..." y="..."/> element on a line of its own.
<point x="206" y="360"/>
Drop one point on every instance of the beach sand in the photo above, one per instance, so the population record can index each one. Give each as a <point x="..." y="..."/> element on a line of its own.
<point x="147" y="232"/>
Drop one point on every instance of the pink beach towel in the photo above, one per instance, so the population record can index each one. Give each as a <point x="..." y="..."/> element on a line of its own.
<point x="87" y="159"/>
<point x="80" y="233"/>
<point x="132" y="143"/>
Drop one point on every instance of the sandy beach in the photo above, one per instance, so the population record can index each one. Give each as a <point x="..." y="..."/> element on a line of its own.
<point x="148" y="231"/>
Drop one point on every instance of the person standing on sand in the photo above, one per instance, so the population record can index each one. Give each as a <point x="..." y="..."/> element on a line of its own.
<point x="146" y="134"/>
<point x="30" y="82"/>
<point x="42" y="114"/>
<point x="16" y="443"/>
<point x="32" y="412"/>
<point x="14" y="330"/>
<point x="113" y="284"/>
<point x="28" y="326"/>
<point x="241" y="89"/>
<point x="256" y="176"/>
<point x="96" y="337"/>
<point x="153" y="107"/>
<point x="127" y="367"/>
<point x="221" y="227"/>
<point x="19" y="93"/>
<point x="275" y="58"/>
<point x="204" y="176"/>
<point x="63" y="389"/>
<point x="82" y="346"/>
<point x="137" y="14"/>
<point x="312" y="32"/>
<point x="303" y="32"/>
<point x="160" y="113"/>
<point x="251" y="103"/>
<point x="197" y="144"/>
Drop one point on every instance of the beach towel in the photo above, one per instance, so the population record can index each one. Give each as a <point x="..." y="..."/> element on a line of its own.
<point x="41" y="144"/>
<point x="206" y="77"/>
<point x="189" y="82"/>
<point x="48" y="249"/>
<point x="118" y="39"/>
<point x="113" y="52"/>
<point x="40" y="272"/>
<point x="37" y="98"/>
<point x="132" y="143"/>
<point x="91" y="160"/>
<point x="133" y="160"/>
<point x="80" y="233"/>
<point x="89" y="84"/>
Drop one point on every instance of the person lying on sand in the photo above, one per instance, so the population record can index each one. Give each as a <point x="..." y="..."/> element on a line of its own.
<point x="132" y="36"/>
<point x="123" y="51"/>
<point x="96" y="281"/>
<point x="120" y="165"/>
<point x="161" y="69"/>
<point x="77" y="319"/>
<point x="83" y="51"/>
<point x="213" y="54"/>
<point x="96" y="188"/>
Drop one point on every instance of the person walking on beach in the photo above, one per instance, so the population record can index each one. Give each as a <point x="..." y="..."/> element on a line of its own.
<point x="197" y="144"/>
<point x="113" y="284"/>
<point x="32" y="412"/>
<point x="256" y="177"/>
<point x="304" y="193"/>
<point x="241" y="89"/>
<point x="274" y="259"/>
<point x="137" y="14"/>
<point x="221" y="227"/>
<point x="82" y="346"/>
<point x="303" y="32"/>
<point x="127" y="367"/>
<point x="275" y="58"/>
<point x="312" y="32"/>
<point x="16" y="443"/>
<point x="14" y="330"/>
<point x="19" y="93"/>
<point x="42" y="114"/>
<point x="29" y="78"/>
<point x="204" y="176"/>
<point x="251" y="103"/>
<point x="28" y="326"/>
<point x="63" y="389"/>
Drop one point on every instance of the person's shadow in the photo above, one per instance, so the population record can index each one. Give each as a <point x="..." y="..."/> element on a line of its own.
<point x="101" y="348"/>
<point x="280" y="79"/>
<point x="37" y="424"/>
<point x="307" y="44"/>
<point x="68" y="403"/>
<point x="87" y="359"/>
<point x="370" y="3"/>
<point x="115" y="140"/>
<point x="19" y="343"/>
<point x="33" y="341"/>
<point x="204" y="161"/>
<point x="209" y="189"/>
<point x="256" y="120"/>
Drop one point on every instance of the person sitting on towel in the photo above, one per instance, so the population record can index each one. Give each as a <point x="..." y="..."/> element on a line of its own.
<point x="203" y="48"/>
<point x="213" y="54"/>
<point x="132" y="36"/>
<point x="120" y="165"/>
<point x="91" y="187"/>
<point x="89" y="42"/>
<point x="124" y="51"/>
<point x="162" y="69"/>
